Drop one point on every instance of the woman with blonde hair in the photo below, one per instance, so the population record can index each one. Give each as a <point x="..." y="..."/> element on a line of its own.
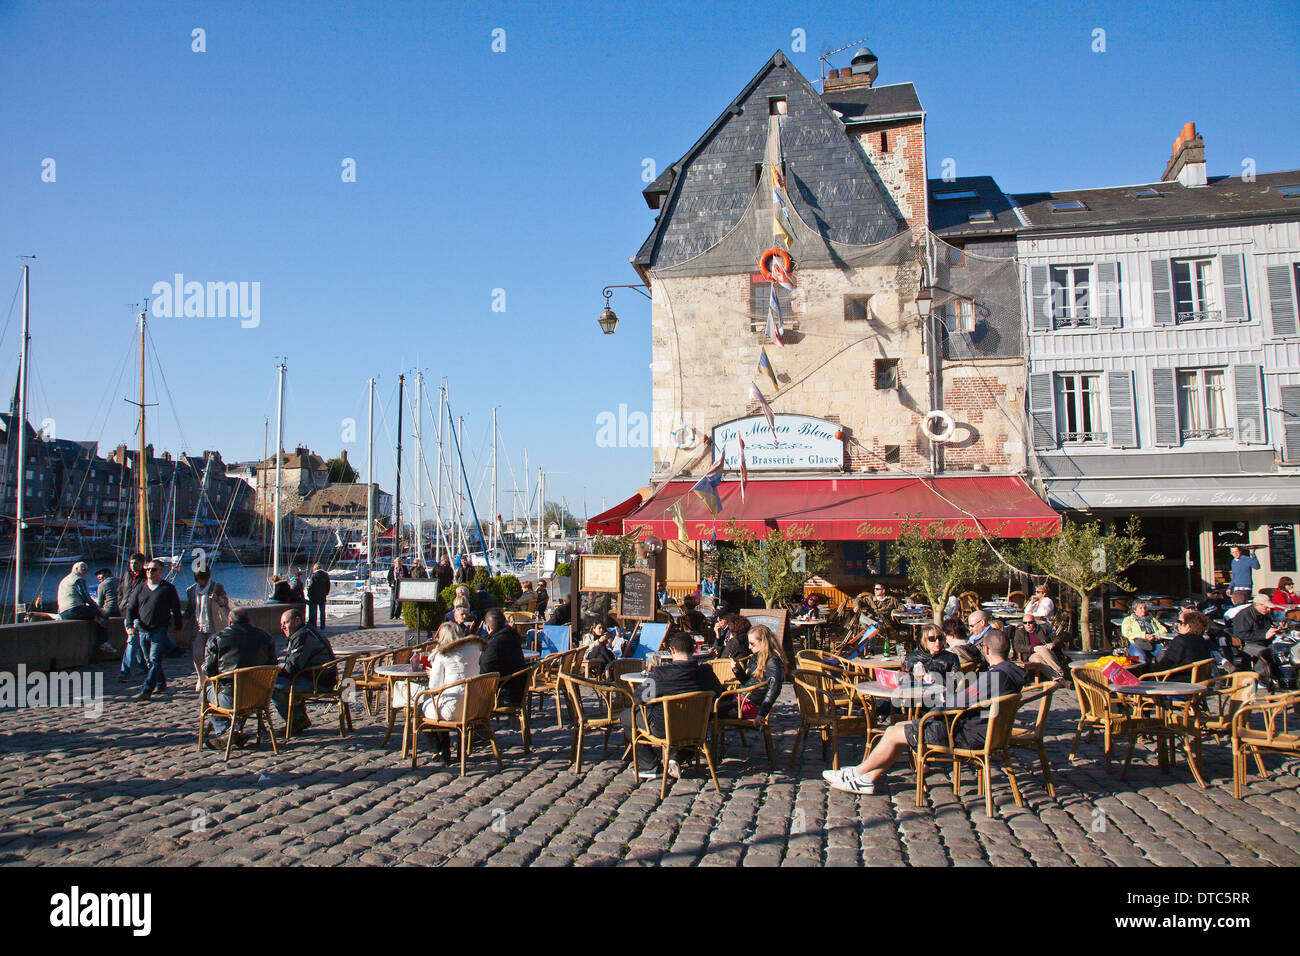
<point x="766" y="668"/>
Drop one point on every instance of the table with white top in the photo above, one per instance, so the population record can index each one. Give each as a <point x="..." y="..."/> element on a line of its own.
<point x="359" y="650"/>
<point x="1166" y="694"/>
<point x="401" y="673"/>
<point x="908" y="696"/>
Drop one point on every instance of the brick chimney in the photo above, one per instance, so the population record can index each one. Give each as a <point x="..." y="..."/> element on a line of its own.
<point x="343" y="455"/>
<point x="861" y="75"/>
<point x="1187" y="161"/>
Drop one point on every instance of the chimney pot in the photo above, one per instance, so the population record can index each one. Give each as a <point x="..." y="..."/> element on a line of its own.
<point x="1189" y="131"/>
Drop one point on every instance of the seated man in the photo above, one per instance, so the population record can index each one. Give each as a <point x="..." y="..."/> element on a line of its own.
<point x="1002" y="677"/>
<point x="1255" y="629"/>
<point x="1141" y="630"/>
<point x="980" y="626"/>
<point x="75" y="604"/>
<point x="1031" y="643"/>
<point x="306" y="649"/>
<point x="681" y="675"/>
<point x="240" y="644"/>
<point x="504" y="655"/>
<point x="954" y="639"/>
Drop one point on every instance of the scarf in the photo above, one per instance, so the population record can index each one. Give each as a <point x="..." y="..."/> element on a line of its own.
<point x="1147" y="624"/>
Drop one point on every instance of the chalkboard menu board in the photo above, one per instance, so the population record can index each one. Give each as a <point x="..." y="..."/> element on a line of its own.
<point x="636" y="598"/>
<point x="1281" y="547"/>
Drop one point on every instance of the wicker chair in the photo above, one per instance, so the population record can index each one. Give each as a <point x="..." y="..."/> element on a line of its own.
<point x="1018" y="598"/>
<point x="250" y="697"/>
<point x="1248" y="740"/>
<point x="724" y="670"/>
<point x="970" y="602"/>
<point x="623" y="666"/>
<point x="686" y="727"/>
<point x="1033" y="738"/>
<point x="341" y="671"/>
<point x="545" y="682"/>
<point x="997" y="743"/>
<point x="1225" y="697"/>
<point x="613" y="699"/>
<point x="830" y="707"/>
<point x="517" y="711"/>
<point x="369" y="684"/>
<point x="476" y="714"/>
<point x="737" y="723"/>
<point x="1099" y="709"/>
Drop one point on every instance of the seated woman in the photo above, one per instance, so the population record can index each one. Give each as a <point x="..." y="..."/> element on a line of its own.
<point x="599" y="653"/>
<point x="931" y="656"/>
<point x="766" y="669"/>
<point x="1141" y="630"/>
<point x="454" y="661"/>
<point x="954" y="637"/>
<point x="281" y="592"/>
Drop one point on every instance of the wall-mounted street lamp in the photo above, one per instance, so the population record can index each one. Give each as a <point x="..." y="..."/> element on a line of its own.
<point x="608" y="321"/>
<point x="924" y="301"/>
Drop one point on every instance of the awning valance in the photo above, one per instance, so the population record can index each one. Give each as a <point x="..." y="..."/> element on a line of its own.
<point x="856" y="509"/>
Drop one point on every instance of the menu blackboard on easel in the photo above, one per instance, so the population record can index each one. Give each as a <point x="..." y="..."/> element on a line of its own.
<point x="636" y="596"/>
<point x="1281" y="547"/>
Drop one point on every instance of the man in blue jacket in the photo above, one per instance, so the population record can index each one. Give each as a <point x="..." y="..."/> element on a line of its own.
<point x="1243" y="564"/>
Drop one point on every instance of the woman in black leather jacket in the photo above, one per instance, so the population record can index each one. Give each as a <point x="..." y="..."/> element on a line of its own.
<point x="767" y="668"/>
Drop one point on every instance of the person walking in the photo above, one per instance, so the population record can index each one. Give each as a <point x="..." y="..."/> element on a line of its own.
<point x="318" y="589"/>
<point x="148" y="612"/>
<point x="395" y="575"/>
<point x="133" y="654"/>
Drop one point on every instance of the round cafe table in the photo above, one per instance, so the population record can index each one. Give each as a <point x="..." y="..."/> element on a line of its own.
<point x="907" y="696"/>
<point x="358" y="650"/>
<point x="879" y="662"/>
<point x="531" y="656"/>
<point x="401" y="673"/>
<point x="1166" y="694"/>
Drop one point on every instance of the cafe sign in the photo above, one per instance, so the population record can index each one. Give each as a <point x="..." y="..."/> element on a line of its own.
<point x="801" y="443"/>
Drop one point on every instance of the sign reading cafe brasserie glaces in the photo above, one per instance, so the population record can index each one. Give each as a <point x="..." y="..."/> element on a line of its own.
<point x="802" y="443"/>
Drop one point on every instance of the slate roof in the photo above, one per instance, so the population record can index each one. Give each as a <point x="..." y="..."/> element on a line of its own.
<point x="702" y="196"/>
<point x="1222" y="198"/>
<point x="951" y="217"/>
<point x="871" y="104"/>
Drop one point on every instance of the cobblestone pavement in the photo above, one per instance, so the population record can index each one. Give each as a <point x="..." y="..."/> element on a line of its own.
<point x="131" y="788"/>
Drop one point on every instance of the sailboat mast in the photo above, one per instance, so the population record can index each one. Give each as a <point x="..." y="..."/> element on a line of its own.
<point x="441" y="543"/>
<point x="370" y="489"/>
<point x="279" y="461"/>
<point x="142" y="473"/>
<point x="461" y="485"/>
<point x="419" y="465"/>
<point x="541" y="497"/>
<point x="22" y="444"/>
<point x="397" y="525"/>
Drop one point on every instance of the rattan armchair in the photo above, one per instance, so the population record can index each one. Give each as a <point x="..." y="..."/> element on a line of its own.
<point x="624" y="665"/>
<point x="1249" y="740"/>
<point x="831" y="707"/>
<point x="1033" y="738"/>
<point x="686" y="727"/>
<point x="997" y="743"/>
<point x="724" y="669"/>
<point x="545" y="680"/>
<point x="1018" y="598"/>
<point x="250" y="697"/>
<point x="612" y="700"/>
<point x="475" y="715"/>
<point x="737" y="723"/>
<point x="517" y="711"/>
<point x="1226" y="696"/>
<point x="336" y="673"/>
<point x="1100" y="710"/>
<point x="370" y="685"/>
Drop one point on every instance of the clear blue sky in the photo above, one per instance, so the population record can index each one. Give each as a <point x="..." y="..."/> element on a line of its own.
<point x="519" y="171"/>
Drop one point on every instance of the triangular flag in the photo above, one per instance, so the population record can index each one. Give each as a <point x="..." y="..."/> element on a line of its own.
<point x="780" y="274"/>
<point x="775" y="327"/>
<point x="680" y="520"/>
<point x="777" y="179"/>
<point x="765" y="368"/>
<point x="755" y="394"/>
<point x="744" y="472"/>
<point x="707" y="488"/>
<point x="780" y="232"/>
<point x="779" y="203"/>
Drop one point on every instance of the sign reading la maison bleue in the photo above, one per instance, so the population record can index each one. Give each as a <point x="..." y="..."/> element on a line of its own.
<point x="804" y="444"/>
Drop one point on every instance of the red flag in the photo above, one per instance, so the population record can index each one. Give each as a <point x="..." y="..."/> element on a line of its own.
<point x="781" y="274"/>
<point x="744" y="472"/>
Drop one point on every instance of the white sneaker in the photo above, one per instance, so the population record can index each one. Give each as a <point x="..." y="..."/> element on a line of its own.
<point x="852" y="783"/>
<point x="649" y="775"/>
<point x="107" y="648"/>
<point x="674" y="771"/>
<point x="830" y="776"/>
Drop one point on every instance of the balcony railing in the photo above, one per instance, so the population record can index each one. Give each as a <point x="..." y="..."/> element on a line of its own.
<point x="1194" y="434"/>
<point x="1083" y="320"/>
<point x="1205" y="315"/>
<point x="1083" y="438"/>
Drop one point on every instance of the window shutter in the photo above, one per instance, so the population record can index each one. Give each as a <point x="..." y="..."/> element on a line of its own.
<point x="1042" y="410"/>
<point x="1119" y="389"/>
<point x="1234" y="288"/>
<point x="1040" y="301"/>
<point x="1165" y="397"/>
<point x="1247" y="391"/>
<point x="1281" y="300"/>
<point x="1291" y="422"/>
<point x="1106" y="295"/>
<point x="1162" y="288"/>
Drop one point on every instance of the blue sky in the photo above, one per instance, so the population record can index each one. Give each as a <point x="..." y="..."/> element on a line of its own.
<point x="518" y="170"/>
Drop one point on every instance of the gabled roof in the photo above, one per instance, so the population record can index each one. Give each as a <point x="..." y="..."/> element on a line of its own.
<point x="830" y="182"/>
<point x="950" y="217"/>
<point x="874" y="104"/>
<point x="311" y="461"/>
<point x="1224" y="198"/>
<point x="336" y="499"/>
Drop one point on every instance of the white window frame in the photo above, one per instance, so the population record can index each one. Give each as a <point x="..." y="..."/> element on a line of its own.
<point x="1100" y="433"/>
<point x="959" y="316"/>
<point x="1207" y="301"/>
<point x="1065" y="308"/>
<point x="1204" y="433"/>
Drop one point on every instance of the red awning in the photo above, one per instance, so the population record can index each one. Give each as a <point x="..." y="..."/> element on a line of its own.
<point x="853" y="509"/>
<point x="611" y="521"/>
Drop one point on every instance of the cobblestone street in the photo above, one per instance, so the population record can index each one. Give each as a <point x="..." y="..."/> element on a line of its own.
<point x="131" y="788"/>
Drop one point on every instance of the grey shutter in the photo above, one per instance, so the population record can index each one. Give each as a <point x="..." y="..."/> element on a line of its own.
<point x="1165" y="404"/>
<point x="1119" y="390"/>
<point x="1234" y="288"/>
<point x="1247" y="391"/>
<point x="1291" y="422"/>
<point x="1106" y="295"/>
<point x="1162" y="288"/>
<point x="1042" y="410"/>
<point x="1281" y="300"/>
<point x="1040" y="300"/>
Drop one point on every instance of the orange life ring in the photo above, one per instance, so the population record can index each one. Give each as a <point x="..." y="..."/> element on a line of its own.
<point x="762" y="262"/>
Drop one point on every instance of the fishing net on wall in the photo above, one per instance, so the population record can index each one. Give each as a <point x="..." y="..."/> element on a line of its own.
<point x="977" y="299"/>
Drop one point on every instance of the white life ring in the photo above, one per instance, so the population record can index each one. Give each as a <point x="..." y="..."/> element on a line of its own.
<point x="945" y="426"/>
<point x="686" y="437"/>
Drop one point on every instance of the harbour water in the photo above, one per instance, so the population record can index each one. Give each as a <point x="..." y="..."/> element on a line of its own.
<point x="247" y="583"/>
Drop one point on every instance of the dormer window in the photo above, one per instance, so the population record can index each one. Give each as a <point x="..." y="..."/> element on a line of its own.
<point x="1069" y="205"/>
<point x="956" y="194"/>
